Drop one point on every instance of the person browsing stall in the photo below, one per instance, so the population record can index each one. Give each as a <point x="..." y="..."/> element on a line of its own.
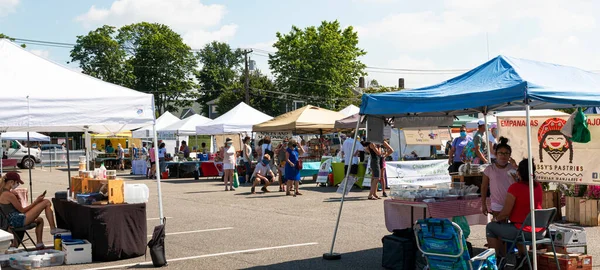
<point x="375" y="167"/>
<point x="292" y="172"/>
<point x="228" y="156"/>
<point x="280" y="151"/>
<point x="19" y="216"/>
<point x="514" y="212"/>
<point x="480" y="144"/>
<point x="459" y="143"/>
<point x="497" y="176"/>
<point x="185" y="149"/>
<point x="121" y="157"/>
<point x="263" y="173"/>
<point x="493" y="142"/>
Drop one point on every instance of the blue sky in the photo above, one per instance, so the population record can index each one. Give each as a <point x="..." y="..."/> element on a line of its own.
<point x="423" y="35"/>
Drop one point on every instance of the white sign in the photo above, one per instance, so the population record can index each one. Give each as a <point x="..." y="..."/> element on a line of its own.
<point x="324" y="169"/>
<point x="349" y="182"/>
<point x="276" y="137"/>
<point x="425" y="136"/>
<point x="556" y="157"/>
<point x="420" y="172"/>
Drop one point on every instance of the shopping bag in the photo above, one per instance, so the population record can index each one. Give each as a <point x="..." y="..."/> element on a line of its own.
<point x="463" y="224"/>
<point x="236" y="181"/>
<point x="157" y="245"/>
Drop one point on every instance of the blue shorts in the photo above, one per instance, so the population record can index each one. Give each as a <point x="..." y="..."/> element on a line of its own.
<point x="16" y="219"/>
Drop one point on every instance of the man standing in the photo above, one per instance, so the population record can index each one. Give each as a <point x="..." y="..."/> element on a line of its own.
<point x="263" y="173"/>
<point x="480" y="148"/>
<point x="493" y="142"/>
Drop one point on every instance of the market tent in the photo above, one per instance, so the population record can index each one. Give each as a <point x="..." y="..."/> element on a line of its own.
<point x="414" y="121"/>
<point x="350" y="110"/>
<point x="43" y="96"/>
<point x="491" y="119"/>
<point x="308" y="119"/>
<point x="501" y="84"/>
<point x="462" y="120"/>
<point x="161" y="122"/>
<point x="22" y="136"/>
<point x="240" y="119"/>
<point x="592" y="110"/>
<point x="186" y="126"/>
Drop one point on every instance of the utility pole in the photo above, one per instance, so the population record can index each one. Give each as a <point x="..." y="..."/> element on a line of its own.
<point x="247" y="74"/>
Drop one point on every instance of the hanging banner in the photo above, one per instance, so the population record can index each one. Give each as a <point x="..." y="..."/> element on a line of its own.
<point x="556" y="157"/>
<point x="276" y="137"/>
<point x="420" y="172"/>
<point x="324" y="169"/>
<point x="425" y="136"/>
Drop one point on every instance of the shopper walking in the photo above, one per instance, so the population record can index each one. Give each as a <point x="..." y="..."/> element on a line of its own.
<point x="228" y="156"/>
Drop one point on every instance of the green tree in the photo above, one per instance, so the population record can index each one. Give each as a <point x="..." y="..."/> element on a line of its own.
<point x="11" y="39"/>
<point x="320" y="63"/>
<point x="263" y="95"/>
<point x="101" y="56"/>
<point x="220" y="67"/>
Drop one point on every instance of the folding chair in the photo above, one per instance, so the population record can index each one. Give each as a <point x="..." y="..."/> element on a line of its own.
<point x="19" y="232"/>
<point x="444" y="246"/>
<point x="543" y="218"/>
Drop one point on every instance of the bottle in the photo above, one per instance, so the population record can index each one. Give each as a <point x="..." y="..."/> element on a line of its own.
<point x="102" y="171"/>
<point x="57" y="242"/>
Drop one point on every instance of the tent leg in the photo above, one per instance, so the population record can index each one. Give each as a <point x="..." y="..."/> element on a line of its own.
<point x="530" y="168"/>
<point x="160" y="204"/>
<point x="1" y="155"/>
<point x="68" y="161"/>
<point x="30" y="182"/>
<point x="487" y="135"/>
<point x="331" y="255"/>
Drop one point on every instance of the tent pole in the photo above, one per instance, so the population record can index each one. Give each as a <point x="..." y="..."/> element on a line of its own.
<point x="30" y="182"/>
<point x="487" y="135"/>
<point x="68" y="161"/>
<point x="331" y="255"/>
<point x="160" y="205"/>
<point x="531" y="193"/>
<point x="1" y="155"/>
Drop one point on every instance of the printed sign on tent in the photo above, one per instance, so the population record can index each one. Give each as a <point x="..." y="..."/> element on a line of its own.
<point x="276" y="137"/>
<point x="324" y="169"/>
<point x="556" y="157"/>
<point x="425" y="136"/>
<point x="421" y="172"/>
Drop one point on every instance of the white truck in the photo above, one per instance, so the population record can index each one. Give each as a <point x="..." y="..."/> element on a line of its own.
<point x="15" y="150"/>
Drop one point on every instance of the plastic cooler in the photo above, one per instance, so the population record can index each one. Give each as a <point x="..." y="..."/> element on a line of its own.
<point x="5" y="239"/>
<point x="136" y="193"/>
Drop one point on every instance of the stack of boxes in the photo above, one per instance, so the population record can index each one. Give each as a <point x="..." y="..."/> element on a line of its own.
<point x="571" y="249"/>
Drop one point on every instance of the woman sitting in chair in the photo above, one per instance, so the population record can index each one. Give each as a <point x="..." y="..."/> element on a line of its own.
<point x="516" y="208"/>
<point x="20" y="217"/>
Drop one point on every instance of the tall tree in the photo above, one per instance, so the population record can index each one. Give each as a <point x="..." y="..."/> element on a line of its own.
<point x="320" y="63"/>
<point x="263" y="95"/>
<point x="162" y="64"/>
<point x="101" y="56"/>
<point x="220" y="67"/>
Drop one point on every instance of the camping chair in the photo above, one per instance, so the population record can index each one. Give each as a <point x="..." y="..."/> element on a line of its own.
<point x="444" y="246"/>
<point x="18" y="232"/>
<point x="543" y="218"/>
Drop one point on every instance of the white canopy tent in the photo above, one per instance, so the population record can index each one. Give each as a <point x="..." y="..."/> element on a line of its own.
<point x="186" y="126"/>
<point x="350" y="110"/>
<point x="491" y="118"/>
<point x="43" y="96"/>
<point x="238" y="120"/>
<point x="22" y="136"/>
<point x="161" y="122"/>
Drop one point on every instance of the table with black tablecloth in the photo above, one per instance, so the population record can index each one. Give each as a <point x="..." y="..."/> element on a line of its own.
<point x="116" y="231"/>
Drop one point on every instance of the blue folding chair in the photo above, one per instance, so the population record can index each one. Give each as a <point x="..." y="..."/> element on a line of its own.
<point x="444" y="247"/>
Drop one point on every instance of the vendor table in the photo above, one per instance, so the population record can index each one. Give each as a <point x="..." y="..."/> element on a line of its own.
<point x="116" y="231"/>
<point x="111" y="162"/>
<point x="310" y="168"/>
<point x="397" y="212"/>
<point x="339" y="173"/>
<point x="211" y="168"/>
<point x="183" y="168"/>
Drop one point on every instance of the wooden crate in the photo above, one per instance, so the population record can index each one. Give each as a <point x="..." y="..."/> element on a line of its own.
<point x="116" y="189"/>
<point x="76" y="184"/>
<point x="588" y="212"/>
<point x="572" y="206"/>
<point x="552" y="199"/>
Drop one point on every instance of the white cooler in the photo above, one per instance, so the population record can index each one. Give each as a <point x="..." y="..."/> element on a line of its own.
<point x="5" y="239"/>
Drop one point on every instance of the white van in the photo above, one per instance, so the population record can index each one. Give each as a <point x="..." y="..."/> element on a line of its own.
<point x="15" y="150"/>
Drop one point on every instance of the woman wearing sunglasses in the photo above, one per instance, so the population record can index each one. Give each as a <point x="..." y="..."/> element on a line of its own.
<point x="498" y="177"/>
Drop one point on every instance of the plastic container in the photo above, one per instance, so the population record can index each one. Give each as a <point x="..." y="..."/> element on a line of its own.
<point x="136" y="193"/>
<point x="5" y="239"/>
<point x="77" y="251"/>
<point x="82" y="159"/>
<point x="102" y="172"/>
<point x="49" y="257"/>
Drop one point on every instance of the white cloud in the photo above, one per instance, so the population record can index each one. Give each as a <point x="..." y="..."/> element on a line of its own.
<point x="41" y="53"/>
<point x="195" y="21"/>
<point x="8" y="6"/>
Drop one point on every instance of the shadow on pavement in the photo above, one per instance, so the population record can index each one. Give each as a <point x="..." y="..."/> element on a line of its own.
<point x="364" y="259"/>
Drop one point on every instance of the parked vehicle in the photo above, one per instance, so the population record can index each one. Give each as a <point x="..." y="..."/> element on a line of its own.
<point x="46" y="147"/>
<point x="27" y="159"/>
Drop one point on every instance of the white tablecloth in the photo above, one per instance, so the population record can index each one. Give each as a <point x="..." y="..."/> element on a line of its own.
<point x="139" y="167"/>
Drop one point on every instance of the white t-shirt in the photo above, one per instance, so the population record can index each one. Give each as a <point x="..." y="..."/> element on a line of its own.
<point x="347" y="149"/>
<point x="492" y="143"/>
<point x="262" y="169"/>
<point x="162" y="152"/>
<point x="229" y="155"/>
<point x="248" y="151"/>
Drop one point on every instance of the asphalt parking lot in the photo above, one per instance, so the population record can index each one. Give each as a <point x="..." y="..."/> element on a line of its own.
<point x="209" y="228"/>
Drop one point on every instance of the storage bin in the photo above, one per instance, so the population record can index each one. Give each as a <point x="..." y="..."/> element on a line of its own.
<point x="77" y="251"/>
<point x="136" y="193"/>
<point x="5" y="239"/>
<point x="48" y="257"/>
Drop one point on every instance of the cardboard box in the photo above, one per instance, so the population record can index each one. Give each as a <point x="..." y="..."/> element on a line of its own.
<point x="571" y="249"/>
<point x="569" y="236"/>
<point x="584" y="262"/>
<point x="77" y="253"/>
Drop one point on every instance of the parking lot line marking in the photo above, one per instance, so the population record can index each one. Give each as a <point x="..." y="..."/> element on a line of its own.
<point x="197" y="231"/>
<point x="207" y="255"/>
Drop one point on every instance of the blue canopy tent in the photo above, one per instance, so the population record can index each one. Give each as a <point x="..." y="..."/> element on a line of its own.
<point x="501" y="84"/>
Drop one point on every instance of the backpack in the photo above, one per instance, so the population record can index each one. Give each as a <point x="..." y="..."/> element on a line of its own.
<point x="157" y="245"/>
